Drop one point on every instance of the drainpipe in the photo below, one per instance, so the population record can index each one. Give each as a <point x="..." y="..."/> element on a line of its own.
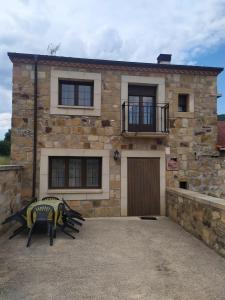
<point x="35" y="127"/>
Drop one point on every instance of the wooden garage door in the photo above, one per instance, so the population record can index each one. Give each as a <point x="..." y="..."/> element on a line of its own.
<point x="143" y="186"/>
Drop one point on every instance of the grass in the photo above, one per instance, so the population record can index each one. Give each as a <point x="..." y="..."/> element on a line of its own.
<point x="4" y="160"/>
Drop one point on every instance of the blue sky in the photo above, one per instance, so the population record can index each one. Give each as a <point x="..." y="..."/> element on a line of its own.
<point x="216" y="57"/>
<point x="132" y="30"/>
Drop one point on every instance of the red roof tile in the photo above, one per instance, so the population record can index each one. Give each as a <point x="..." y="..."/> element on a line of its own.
<point x="221" y="134"/>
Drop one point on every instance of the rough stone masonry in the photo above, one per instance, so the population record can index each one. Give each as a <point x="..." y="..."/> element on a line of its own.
<point x="192" y="136"/>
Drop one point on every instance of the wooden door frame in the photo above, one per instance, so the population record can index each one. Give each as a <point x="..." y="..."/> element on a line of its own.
<point x="143" y="154"/>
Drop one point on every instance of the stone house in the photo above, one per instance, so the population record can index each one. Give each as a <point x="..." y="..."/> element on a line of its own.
<point x="109" y="136"/>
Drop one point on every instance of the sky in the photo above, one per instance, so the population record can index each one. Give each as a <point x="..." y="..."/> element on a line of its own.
<point x="132" y="30"/>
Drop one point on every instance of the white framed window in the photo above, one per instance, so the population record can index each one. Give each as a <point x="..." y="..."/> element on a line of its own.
<point x="158" y="83"/>
<point x="74" y="174"/>
<point x="75" y="93"/>
<point x="183" y="104"/>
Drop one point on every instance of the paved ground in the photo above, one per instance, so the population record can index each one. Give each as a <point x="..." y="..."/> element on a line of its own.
<point x="112" y="259"/>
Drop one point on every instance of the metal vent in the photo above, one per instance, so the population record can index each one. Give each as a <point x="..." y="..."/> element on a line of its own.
<point x="148" y="218"/>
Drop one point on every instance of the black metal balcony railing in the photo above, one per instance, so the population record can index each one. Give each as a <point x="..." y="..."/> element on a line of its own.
<point x="137" y="117"/>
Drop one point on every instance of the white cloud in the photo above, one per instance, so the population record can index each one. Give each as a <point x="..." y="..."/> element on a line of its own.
<point x="5" y="99"/>
<point x="5" y="123"/>
<point x="5" y="120"/>
<point x="112" y="29"/>
<point x="106" y="43"/>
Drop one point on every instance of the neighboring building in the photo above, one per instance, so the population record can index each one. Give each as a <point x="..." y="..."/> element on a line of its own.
<point x="111" y="135"/>
<point x="221" y="136"/>
<point x="221" y="117"/>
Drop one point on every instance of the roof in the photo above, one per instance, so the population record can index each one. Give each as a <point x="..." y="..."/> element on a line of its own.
<point x="221" y="134"/>
<point x="221" y="117"/>
<point x="112" y="64"/>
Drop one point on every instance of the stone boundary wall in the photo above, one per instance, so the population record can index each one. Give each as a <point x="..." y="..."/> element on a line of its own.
<point x="10" y="192"/>
<point x="201" y="215"/>
<point x="207" y="176"/>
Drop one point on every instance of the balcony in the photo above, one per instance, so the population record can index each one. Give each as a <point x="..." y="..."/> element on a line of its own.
<point x="145" y="120"/>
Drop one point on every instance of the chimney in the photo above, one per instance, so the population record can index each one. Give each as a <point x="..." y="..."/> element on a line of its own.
<point x="164" y="58"/>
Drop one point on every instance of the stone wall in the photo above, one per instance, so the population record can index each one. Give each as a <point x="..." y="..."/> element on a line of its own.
<point x="201" y="215"/>
<point x="10" y="192"/>
<point x="189" y="132"/>
<point x="207" y="175"/>
<point x="203" y="173"/>
<point x="192" y="138"/>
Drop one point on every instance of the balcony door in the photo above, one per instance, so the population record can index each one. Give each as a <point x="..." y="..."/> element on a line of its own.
<point x="141" y="108"/>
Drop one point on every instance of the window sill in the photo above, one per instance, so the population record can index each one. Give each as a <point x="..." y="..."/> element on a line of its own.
<point x="75" y="191"/>
<point x="75" y="107"/>
<point x="187" y="115"/>
<point x="129" y="134"/>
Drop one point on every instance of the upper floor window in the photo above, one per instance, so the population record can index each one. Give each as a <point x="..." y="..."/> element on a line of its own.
<point x="75" y="172"/>
<point x="183" y="102"/>
<point x="141" y="107"/>
<point x="75" y="93"/>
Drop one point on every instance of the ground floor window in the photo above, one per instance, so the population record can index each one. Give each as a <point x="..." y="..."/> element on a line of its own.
<point x="75" y="172"/>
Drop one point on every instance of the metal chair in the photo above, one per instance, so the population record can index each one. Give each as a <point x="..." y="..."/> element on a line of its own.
<point x="71" y="213"/>
<point x="50" y="198"/>
<point x="44" y="214"/>
<point x="20" y="217"/>
<point x="65" y="223"/>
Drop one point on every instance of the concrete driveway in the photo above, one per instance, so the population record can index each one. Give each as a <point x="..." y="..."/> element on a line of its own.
<point x="117" y="258"/>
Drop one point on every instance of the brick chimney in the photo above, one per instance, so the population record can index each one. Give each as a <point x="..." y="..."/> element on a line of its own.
<point x="164" y="58"/>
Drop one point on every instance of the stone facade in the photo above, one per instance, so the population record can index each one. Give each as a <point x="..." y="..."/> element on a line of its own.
<point x="10" y="192"/>
<point x="207" y="175"/>
<point x="201" y="215"/>
<point x="191" y="135"/>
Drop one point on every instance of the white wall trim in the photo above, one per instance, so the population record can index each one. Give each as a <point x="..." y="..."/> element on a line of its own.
<point x="191" y="104"/>
<point x="79" y="111"/>
<point x="148" y="80"/>
<point x="84" y="194"/>
<point x="153" y="153"/>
